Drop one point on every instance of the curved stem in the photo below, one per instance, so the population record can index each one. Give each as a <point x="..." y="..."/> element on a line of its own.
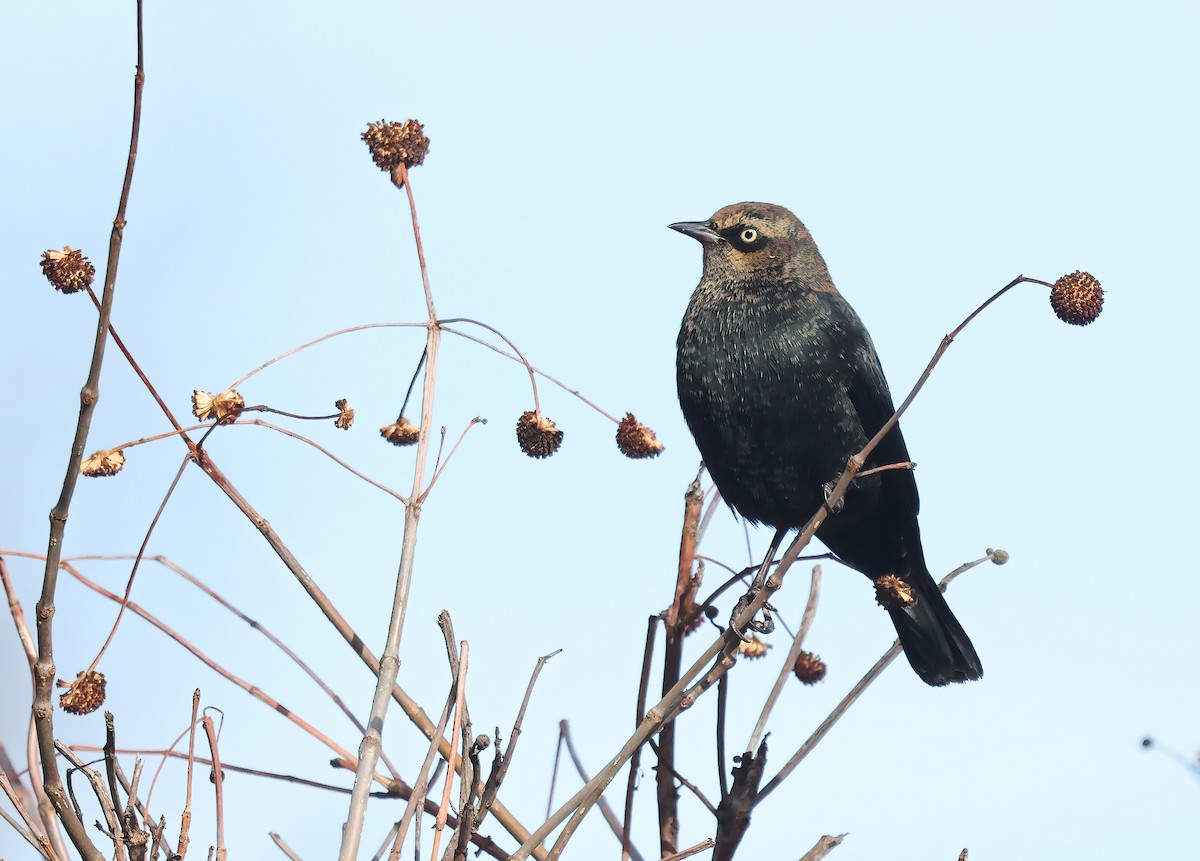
<point x="520" y="356"/>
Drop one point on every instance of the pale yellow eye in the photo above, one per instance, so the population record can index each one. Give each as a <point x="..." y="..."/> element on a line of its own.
<point x="749" y="235"/>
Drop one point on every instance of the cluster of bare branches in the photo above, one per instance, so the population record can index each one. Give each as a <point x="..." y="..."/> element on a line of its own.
<point x="46" y="797"/>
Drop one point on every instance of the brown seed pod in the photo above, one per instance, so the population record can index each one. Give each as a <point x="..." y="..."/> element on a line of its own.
<point x="402" y="432"/>
<point x="754" y="648"/>
<point x="84" y="695"/>
<point x="809" y="668"/>
<point x="1077" y="298"/>
<point x="635" y="440"/>
<point x="345" y="414"/>
<point x="537" y="435"/>
<point x="224" y="408"/>
<point x="103" y="463"/>
<point x="68" y="270"/>
<point x="394" y="144"/>
<point x="891" y="591"/>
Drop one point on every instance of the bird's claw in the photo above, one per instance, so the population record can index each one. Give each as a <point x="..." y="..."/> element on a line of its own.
<point x="765" y="625"/>
<point x="828" y="488"/>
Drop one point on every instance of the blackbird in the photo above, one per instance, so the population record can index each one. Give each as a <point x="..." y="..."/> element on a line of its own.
<point x="780" y="384"/>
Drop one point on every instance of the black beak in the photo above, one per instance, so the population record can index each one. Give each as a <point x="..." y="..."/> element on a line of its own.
<point x="701" y="231"/>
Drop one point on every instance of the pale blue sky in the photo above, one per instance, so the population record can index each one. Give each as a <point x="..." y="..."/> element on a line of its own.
<point x="935" y="153"/>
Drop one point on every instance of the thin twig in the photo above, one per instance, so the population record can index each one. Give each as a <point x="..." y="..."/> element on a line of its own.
<point x="420" y="788"/>
<point x="639" y="711"/>
<point x="678" y="619"/>
<point x="606" y="810"/>
<point x="442" y="466"/>
<point x="394" y="789"/>
<point x="497" y="778"/>
<point x="520" y="356"/>
<point x="722" y="705"/>
<point x="186" y="819"/>
<point x="283" y="847"/>
<point x="137" y="561"/>
<point x="422" y="785"/>
<point x="389" y="664"/>
<point x="907" y="464"/>
<point x="43" y="708"/>
<point x="694" y="850"/>
<point x="683" y="781"/>
<point x="328" y="336"/>
<point x="110" y="769"/>
<point x="823" y="847"/>
<point x="841" y="708"/>
<point x="106" y="803"/>
<point x="219" y="782"/>
<point x="254" y="690"/>
<point x="31" y="833"/>
<point x="355" y="472"/>
<point x="533" y="370"/>
<point x="810" y="612"/>
<point x="279" y="644"/>
<point x="460" y="692"/>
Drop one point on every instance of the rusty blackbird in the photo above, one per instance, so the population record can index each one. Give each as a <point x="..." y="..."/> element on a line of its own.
<point x="780" y="384"/>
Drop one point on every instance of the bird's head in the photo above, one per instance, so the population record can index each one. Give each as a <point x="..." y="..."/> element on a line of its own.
<point x="757" y="241"/>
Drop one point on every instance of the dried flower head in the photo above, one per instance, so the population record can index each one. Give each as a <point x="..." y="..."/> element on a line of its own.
<point x="401" y="432"/>
<point x="636" y="440"/>
<point x="891" y="591"/>
<point x="84" y="695"/>
<point x="225" y="407"/>
<point x="1077" y="298"/>
<point x="68" y="270"/>
<point x="809" y="668"/>
<point x="997" y="556"/>
<point x="345" y="414"/>
<point x="754" y="648"/>
<point x="395" y="144"/>
<point x="537" y="435"/>
<point x="105" y="462"/>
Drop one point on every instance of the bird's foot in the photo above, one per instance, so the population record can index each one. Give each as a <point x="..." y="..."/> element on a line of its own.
<point x="828" y="487"/>
<point x="765" y="625"/>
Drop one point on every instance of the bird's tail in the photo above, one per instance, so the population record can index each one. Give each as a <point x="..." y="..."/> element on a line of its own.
<point x="934" y="642"/>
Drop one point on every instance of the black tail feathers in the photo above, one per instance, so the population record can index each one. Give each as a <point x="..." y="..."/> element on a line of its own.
<point x="934" y="642"/>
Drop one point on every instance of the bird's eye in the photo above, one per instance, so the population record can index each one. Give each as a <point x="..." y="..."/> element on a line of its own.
<point x="743" y="237"/>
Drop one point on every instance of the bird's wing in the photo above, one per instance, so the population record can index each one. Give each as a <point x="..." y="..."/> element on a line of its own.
<point x="873" y="402"/>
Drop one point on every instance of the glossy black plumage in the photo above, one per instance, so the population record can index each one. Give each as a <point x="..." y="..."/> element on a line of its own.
<point x="780" y="384"/>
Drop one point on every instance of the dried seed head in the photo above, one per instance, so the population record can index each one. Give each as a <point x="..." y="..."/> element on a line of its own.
<point x="997" y="556"/>
<point x="809" y="668"/>
<point x="225" y="407"/>
<point x="84" y="695"/>
<point x="345" y="414"/>
<point x="1077" y="298"/>
<point x="102" y="463"/>
<point x="68" y="270"/>
<point x="537" y="435"/>
<point x="395" y="144"/>
<point x="891" y="592"/>
<point x="754" y="648"/>
<point x="402" y="432"/>
<point x="636" y="440"/>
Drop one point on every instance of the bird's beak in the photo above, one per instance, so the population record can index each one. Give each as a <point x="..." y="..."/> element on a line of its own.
<point x="701" y="231"/>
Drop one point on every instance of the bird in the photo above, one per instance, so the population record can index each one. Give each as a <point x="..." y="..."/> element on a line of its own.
<point x="780" y="384"/>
